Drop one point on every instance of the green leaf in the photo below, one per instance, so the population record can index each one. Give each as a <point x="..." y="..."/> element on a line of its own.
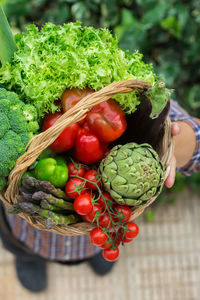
<point x="173" y="26"/>
<point x="56" y="15"/>
<point x="8" y="46"/>
<point x="183" y="13"/>
<point x="2" y="2"/>
<point x="109" y="15"/>
<point x="150" y="215"/>
<point x="155" y="15"/>
<point x="146" y="3"/>
<point x="172" y="200"/>
<point x="16" y="8"/>
<point x="127" y="19"/>
<point x="159" y="96"/>
<point x="79" y="11"/>
<point x="193" y="96"/>
<point x="169" y="66"/>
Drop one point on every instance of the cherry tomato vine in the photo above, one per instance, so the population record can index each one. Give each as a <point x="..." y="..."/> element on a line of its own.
<point x="96" y="206"/>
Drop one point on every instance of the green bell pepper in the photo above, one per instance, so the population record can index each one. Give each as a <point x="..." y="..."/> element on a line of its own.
<point x="53" y="170"/>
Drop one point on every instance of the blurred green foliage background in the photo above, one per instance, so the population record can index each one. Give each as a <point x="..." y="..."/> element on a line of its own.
<point x="166" y="32"/>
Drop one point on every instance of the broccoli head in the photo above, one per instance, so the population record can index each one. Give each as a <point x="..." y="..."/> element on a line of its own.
<point x="18" y="123"/>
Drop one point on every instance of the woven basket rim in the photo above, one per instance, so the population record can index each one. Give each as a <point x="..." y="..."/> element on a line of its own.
<point x="44" y="139"/>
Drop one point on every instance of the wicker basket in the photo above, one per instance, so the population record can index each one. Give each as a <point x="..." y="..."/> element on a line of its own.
<point x="44" y="139"/>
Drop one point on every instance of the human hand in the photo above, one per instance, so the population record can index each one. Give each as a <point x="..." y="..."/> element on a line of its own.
<point x="169" y="182"/>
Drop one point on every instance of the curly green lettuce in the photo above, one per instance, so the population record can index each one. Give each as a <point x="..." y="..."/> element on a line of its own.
<point x="59" y="57"/>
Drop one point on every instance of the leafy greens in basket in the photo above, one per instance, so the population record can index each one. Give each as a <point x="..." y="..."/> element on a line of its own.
<point x="49" y="61"/>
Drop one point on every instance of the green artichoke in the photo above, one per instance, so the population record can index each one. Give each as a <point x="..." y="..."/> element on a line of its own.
<point x="132" y="173"/>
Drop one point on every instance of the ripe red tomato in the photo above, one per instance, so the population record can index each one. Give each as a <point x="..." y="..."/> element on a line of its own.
<point x="105" y="221"/>
<point x="92" y="175"/>
<point x="75" y="184"/>
<point x="125" y="240"/>
<point x="111" y="254"/>
<point x="107" y="245"/>
<point x="66" y="139"/>
<point x="115" y="238"/>
<point x="107" y="198"/>
<point x="122" y="209"/>
<point x="83" y="204"/>
<point x="133" y="230"/>
<point x="90" y="217"/>
<point x="88" y="148"/>
<point x="98" y="237"/>
<point x="122" y="238"/>
<point x="115" y="241"/>
<point x="75" y="168"/>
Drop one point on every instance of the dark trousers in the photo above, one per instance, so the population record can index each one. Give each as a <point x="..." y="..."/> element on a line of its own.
<point x="11" y="243"/>
<point x="18" y="248"/>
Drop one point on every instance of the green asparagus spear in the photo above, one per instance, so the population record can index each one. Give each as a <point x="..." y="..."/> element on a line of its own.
<point x="56" y="219"/>
<point x="33" y="184"/>
<point x="46" y="205"/>
<point x="53" y="200"/>
<point x="24" y="195"/>
<point x="29" y="208"/>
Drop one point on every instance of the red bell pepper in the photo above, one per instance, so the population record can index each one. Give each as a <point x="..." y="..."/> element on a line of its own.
<point x="72" y="96"/>
<point x="104" y="123"/>
<point x="66" y="139"/>
<point x="106" y="120"/>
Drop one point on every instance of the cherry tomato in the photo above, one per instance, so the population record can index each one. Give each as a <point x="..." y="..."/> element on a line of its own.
<point x="75" y="168"/>
<point x="111" y="254"/>
<point x="83" y="204"/>
<point x="92" y="175"/>
<point x="115" y="238"/>
<point x="72" y="184"/>
<point x="115" y="241"/>
<point x="122" y="209"/>
<point x="125" y="240"/>
<point x="98" y="237"/>
<point x="107" y="245"/>
<point x="101" y="200"/>
<point x="105" y="221"/>
<point x="66" y="139"/>
<point x="133" y="230"/>
<point x="88" y="193"/>
<point x="121" y="238"/>
<point x="90" y="217"/>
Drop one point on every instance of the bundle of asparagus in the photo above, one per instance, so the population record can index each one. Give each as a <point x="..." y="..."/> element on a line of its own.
<point x="42" y="198"/>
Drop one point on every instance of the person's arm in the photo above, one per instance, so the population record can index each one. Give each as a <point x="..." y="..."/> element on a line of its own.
<point x="186" y="134"/>
<point x="184" y="144"/>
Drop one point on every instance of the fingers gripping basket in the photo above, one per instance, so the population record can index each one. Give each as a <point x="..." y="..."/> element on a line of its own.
<point x="43" y="140"/>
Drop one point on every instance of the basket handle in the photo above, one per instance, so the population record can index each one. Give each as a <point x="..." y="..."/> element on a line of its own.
<point x="40" y="142"/>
